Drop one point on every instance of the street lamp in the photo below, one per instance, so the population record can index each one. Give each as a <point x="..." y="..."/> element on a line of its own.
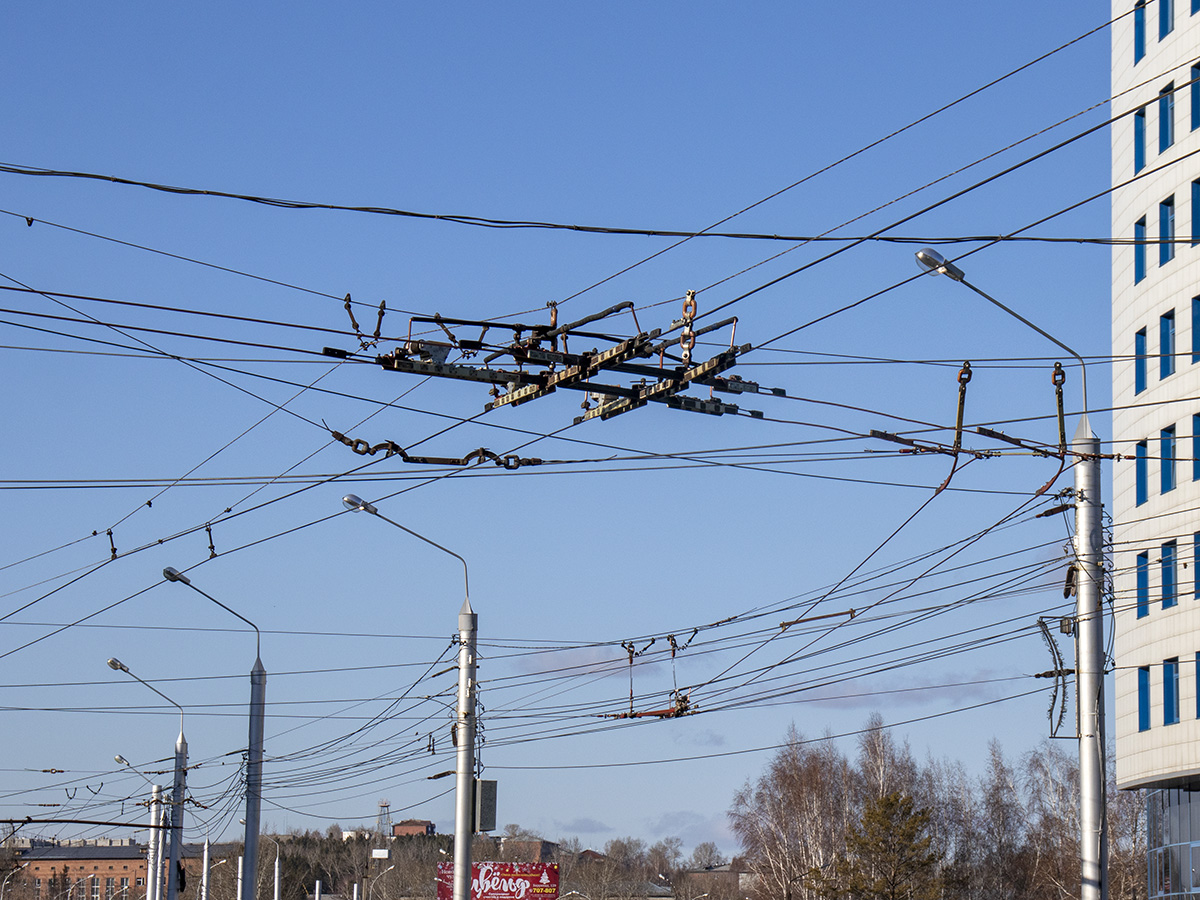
<point x="177" y="789"/>
<point x="1089" y="623"/>
<point x="4" y="883"/>
<point x="371" y="889"/>
<point x="154" y="843"/>
<point x="254" y="760"/>
<point x="204" y="880"/>
<point x="276" y="843"/>
<point x="468" y="626"/>
<point x="937" y="264"/>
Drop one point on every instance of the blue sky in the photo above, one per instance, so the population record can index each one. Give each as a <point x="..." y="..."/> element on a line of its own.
<point x="648" y="116"/>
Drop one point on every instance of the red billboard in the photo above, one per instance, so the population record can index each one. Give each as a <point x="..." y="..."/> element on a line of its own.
<point x="502" y="881"/>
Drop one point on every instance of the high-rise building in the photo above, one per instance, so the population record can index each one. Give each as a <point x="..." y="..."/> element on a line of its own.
<point x="1156" y="425"/>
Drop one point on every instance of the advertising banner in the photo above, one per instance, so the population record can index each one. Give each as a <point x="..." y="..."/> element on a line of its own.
<point x="502" y="881"/>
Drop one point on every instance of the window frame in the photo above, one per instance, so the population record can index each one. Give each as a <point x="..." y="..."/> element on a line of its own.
<point x="1141" y="360"/>
<point x="1142" y="472"/>
<point x="1171" y="691"/>
<point x="1169" y="571"/>
<point x="1166" y="117"/>
<point x="1166" y="345"/>
<point x="1142" y="595"/>
<point x="1143" y="695"/>
<point x="1167" y="455"/>
<point x="1166" y="230"/>
<point x="1139" y="140"/>
<point x="1139" y="250"/>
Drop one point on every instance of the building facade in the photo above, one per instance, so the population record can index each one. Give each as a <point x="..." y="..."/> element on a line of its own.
<point x="98" y="870"/>
<point x="1156" y="425"/>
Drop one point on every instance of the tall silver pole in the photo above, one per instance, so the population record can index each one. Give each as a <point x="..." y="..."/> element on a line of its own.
<point x="153" y="859"/>
<point x="464" y="726"/>
<point x="1089" y="619"/>
<point x="204" y="873"/>
<point x="177" y="793"/>
<point x="1089" y="665"/>
<point x="254" y="754"/>
<point x="468" y="624"/>
<point x="160" y="849"/>
<point x="258" y="696"/>
<point x="277" y="873"/>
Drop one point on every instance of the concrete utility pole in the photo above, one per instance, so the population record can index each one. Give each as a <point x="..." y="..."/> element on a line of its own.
<point x="1089" y="665"/>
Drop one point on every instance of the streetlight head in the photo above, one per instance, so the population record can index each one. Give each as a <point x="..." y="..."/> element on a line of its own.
<point x="358" y="504"/>
<point x="117" y="666"/>
<point x="120" y="760"/>
<point x="937" y="264"/>
<point x="172" y="574"/>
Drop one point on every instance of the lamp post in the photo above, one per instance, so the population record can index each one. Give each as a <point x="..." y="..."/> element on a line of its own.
<point x="204" y="880"/>
<point x="276" y="843"/>
<point x="1089" y="620"/>
<point x="153" y="844"/>
<point x="177" y="790"/>
<point x="468" y="626"/>
<point x="371" y="889"/>
<point x="4" y="883"/>
<point x="254" y="754"/>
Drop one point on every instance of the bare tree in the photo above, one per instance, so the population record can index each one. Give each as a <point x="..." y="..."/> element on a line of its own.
<point x="706" y="856"/>
<point x="1052" y="814"/>
<point x="792" y="821"/>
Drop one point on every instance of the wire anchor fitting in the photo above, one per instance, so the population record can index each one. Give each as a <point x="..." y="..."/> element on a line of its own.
<point x="1059" y="378"/>
<point x="687" y="338"/>
<point x="391" y="448"/>
<point x="964" y="378"/>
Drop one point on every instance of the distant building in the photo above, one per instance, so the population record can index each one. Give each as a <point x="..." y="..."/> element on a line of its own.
<point x="413" y="827"/>
<point x="101" y="870"/>
<point x="731" y="880"/>
<point x="527" y="851"/>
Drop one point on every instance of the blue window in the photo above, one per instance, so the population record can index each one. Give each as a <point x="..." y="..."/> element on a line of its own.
<point x="1195" y="6"/>
<point x="1196" y="450"/>
<point x="1139" y="250"/>
<point x="1142" y="468"/>
<point x="1170" y="594"/>
<point x="1139" y="31"/>
<point x="1195" y="213"/>
<point x="1166" y="18"/>
<point x="1166" y="231"/>
<point x="1143" y="585"/>
<point x="1139" y="140"/>
<point x="1143" y="698"/>
<point x="1194" y="96"/>
<point x="1166" y="344"/>
<point x="1166" y="117"/>
<point x="1139" y="361"/>
<point x="1196" y="571"/>
<point x="1166" y="443"/>
<point x="1171" y="691"/>
<point x="1196" y="324"/>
